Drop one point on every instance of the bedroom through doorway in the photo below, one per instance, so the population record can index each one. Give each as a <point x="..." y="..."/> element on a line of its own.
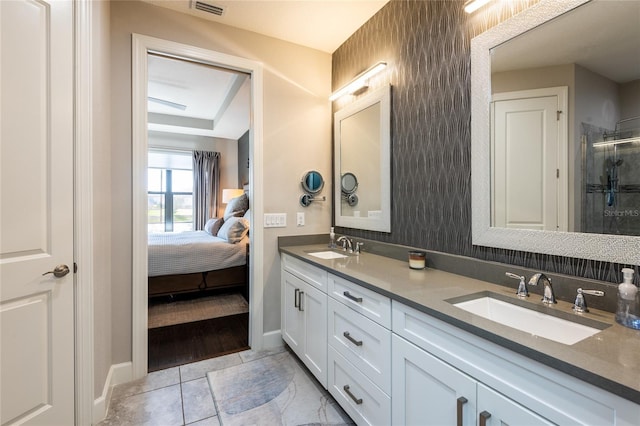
<point x="198" y="212"/>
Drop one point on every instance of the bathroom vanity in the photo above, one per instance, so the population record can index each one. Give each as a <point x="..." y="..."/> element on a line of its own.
<point x="392" y="348"/>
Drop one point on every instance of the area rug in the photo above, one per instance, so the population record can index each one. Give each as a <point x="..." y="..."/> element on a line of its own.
<point x="166" y="314"/>
<point x="274" y="390"/>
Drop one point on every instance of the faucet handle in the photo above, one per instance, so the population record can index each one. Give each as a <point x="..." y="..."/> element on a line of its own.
<point x="522" y="287"/>
<point x="580" y="305"/>
<point x="357" y="247"/>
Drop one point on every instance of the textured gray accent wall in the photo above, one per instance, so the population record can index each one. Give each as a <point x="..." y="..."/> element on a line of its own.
<point x="427" y="47"/>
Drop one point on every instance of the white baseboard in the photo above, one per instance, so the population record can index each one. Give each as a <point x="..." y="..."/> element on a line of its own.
<point x="272" y="339"/>
<point x="118" y="373"/>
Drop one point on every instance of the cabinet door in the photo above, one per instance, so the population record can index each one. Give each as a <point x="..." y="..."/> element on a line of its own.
<point x="313" y="305"/>
<point x="496" y="409"/>
<point x="427" y="391"/>
<point x="292" y="316"/>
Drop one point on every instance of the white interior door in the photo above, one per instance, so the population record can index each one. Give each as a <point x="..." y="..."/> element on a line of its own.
<point x="527" y="152"/>
<point x="36" y="212"/>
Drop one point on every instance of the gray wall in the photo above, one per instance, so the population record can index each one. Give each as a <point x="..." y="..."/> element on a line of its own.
<point x="427" y="45"/>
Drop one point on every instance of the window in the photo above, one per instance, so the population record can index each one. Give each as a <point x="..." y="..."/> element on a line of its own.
<point x="170" y="191"/>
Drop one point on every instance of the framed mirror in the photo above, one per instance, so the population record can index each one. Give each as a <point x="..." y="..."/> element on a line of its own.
<point x="362" y="133"/>
<point x="594" y="79"/>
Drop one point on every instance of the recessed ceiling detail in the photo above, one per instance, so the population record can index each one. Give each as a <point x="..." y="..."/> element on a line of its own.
<point x="199" y="99"/>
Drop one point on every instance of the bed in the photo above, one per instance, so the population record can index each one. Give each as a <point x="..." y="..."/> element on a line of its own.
<point x="214" y="258"/>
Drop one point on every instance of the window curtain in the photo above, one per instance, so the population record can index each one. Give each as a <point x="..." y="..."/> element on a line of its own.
<point x="206" y="186"/>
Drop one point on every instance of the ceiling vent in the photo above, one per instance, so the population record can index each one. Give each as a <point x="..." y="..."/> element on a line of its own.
<point x="207" y="7"/>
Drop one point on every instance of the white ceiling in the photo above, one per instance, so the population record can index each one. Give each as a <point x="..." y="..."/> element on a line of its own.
<point x="215" y="101"/>
<point x="319" y="24"/>
<point x="221" y="96"/>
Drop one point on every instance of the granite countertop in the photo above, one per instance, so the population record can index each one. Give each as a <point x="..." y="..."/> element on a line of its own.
<point x="609" y="359"/>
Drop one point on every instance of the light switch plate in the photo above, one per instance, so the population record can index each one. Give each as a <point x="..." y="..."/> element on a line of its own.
<point x="275" y="220"/>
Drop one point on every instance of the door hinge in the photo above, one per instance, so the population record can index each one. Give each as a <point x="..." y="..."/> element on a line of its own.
<point x="75" y="267"/>
<point x="558" y="115"/>
<point x="558" y="173"/>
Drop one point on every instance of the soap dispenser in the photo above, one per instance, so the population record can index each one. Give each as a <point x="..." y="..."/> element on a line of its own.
<point x="332" y="238"/>
<point x="628" y="311"/>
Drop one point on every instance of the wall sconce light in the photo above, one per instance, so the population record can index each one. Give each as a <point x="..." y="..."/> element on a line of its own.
<point x="230" y="194"/>
<point x="359" y="82"/>
<point x="473" y="5"/>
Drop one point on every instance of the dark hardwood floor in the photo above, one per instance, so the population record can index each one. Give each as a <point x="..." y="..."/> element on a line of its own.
<point x="195" y="341"/>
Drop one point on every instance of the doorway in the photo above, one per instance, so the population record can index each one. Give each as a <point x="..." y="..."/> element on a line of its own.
<point x="198" y="117"/>
<point x="142" y="46"/>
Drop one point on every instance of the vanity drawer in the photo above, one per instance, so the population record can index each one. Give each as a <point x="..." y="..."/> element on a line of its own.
<point x="362" y="342"/>
<point x="369" y="303"/>
<point x="357" y="395"/>
<point x="313" y="275"/>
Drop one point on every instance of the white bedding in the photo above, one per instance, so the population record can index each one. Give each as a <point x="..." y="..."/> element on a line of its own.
<point x="192" y="252"/>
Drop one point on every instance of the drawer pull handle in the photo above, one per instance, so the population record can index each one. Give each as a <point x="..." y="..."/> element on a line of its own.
<point x="347" y="335"/>
<point x="295" y="298"/>
<point x="460" y="403"/>
<point x="482" y="417"/>
<point x="352" y="396"/>
<point x="349" y="296"/>
<point x="300" y="301"/>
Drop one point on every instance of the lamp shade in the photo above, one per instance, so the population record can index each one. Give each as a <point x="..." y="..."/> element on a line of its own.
<point x="230" y="194"/>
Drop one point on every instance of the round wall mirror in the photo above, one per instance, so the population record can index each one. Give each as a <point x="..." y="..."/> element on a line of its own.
<point x="312" y="182"/>
<point x="349" y="183"/>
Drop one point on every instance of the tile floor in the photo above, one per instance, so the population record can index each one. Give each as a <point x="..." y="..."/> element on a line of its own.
<point x="176" y="396"/>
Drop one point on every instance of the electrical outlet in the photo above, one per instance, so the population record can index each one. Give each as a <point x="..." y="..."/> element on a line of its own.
<point x="300" y="219"/>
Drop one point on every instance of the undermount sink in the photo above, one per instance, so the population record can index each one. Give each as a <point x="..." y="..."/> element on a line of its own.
<point x="327" y="254"/>
<point x="527" y="317"/>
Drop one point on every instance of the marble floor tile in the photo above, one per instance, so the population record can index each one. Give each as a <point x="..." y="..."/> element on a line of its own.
<point x="157" y="407"/>
<point x="155" y="380"/>
<point x="251" y="355"/>
<point x="211" y="421"/>
<point x="197" y="402"/>
<point x="200" y="369"/>
<point x="273" y="390"/>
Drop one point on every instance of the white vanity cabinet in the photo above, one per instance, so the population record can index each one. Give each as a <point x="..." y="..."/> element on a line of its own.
<point x="359" y="338"/>
<point x="304" y="314"/>
<point x="428" y="391"/>
<point x="435" y="364"/>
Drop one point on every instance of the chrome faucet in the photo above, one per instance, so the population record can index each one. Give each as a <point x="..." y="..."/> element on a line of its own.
<point x="548" y="297"/>
<point x="347" y="244"/>
<point x="580" y="305"/>
<point x="522" y="288"/>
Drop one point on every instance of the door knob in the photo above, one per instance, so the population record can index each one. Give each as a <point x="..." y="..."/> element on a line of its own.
<point x="59" y="271"/>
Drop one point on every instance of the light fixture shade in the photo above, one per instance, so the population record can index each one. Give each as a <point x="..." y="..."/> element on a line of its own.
<point x="473" y="5"/>
<point x="358" y="82"/>
<point x="230" y="193"/>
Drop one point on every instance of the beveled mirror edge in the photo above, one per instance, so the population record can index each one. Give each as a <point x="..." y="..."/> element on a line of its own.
<point x="382" y="223"/>
<point x="612" y="248"/>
